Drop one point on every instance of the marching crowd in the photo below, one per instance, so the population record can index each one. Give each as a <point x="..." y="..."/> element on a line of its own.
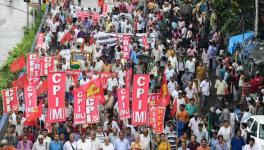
<point x="185" y="47"/>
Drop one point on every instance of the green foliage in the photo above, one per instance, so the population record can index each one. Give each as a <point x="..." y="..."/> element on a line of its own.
<point x="22" y="48"/>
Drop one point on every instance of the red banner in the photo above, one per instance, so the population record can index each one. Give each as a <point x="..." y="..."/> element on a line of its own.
<point x="10" y="101"/>
<point x="40" y="40"/>
<point x="126" y="50"/>
<point x="42" y="88"/>
<point x="105" y="9"/>
<point x="145" y="42"/>
<point x="104" y="77"/>
<point x="17" y="64"/>
<point x="74" y="74"/>
<point x="30" y="99"/>
<point x="46" y="65"/>
<point x="56" y="96"/>
<point x="20" y="82"/>
<point x="159" y="122"/>
<point x="82" y="15"/>
<point x="140" y="99"/>
<point x="92" y="112"/>
<point x="123" y="103"/>
<point x="79" y="107"/>
<point x="33" y="69"/>
<point x="128" y="77"/>
<point x="153" y="98"/>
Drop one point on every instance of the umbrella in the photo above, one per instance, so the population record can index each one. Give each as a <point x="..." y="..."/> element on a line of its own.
<point x="144" y="58"/>
<point x="186" y="10"/>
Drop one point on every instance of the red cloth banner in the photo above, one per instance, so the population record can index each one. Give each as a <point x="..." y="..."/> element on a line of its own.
<point x="56" y="97"/>
<point x="17" y="64"/>
<point x="33" y="69"/>
<point x="92" y="112"/>
<point x="40" y="40"/>
<point x="145" y="42"/>
<point x="46" y="65"/>
<point x="79" y="107"/>
<point x="74" y="74"/>
<point x="82" y="15"/>
<point x="10" y="101"/>
<point x="42" y="88"/>
<point x="159" y="125"/>
<point x="128" y="77"/>
<point x="20" y="82"/>
<point x="30" y="99"/>
<point x="123" y="103"/>
<point x="153" y="98"/>
<point x="126" y="50"/>
<point x="105" y="9"/>
<point x="36" y="113"/>
<point x="140" y="99"/>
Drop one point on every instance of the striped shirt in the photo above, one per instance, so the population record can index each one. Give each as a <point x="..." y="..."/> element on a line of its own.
<point x="172" y="136"/>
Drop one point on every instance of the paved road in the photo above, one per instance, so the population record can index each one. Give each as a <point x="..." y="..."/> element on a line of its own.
<point x="12" y="22"/>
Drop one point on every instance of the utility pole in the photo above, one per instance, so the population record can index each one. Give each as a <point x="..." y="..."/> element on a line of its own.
<point x="256" y="17"/>
<point x="28" y="14"/>
<point x="39" y="7"/>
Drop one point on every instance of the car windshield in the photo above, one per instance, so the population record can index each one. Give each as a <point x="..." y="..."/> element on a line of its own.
<point x="261" y="131"/>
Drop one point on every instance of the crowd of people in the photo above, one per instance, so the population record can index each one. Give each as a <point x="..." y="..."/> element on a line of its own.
<point x="208" y="108"/>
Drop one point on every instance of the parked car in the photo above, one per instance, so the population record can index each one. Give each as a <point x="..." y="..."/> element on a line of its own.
<point x="255" y="127"/>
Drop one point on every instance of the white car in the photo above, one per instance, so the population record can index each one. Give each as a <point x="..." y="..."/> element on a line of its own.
<point x="255" y="126"/>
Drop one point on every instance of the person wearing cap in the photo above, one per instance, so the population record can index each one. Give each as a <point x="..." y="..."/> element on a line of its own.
<point x="40" y="144"/>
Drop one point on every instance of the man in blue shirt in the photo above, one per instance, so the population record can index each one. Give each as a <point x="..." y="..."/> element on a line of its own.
<point x="237" y="142"/>
<point x="56" y="144"/>
<point x="121" y="143"/>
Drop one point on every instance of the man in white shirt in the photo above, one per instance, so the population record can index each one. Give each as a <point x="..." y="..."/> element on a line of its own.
<point x="205" y="89"/>
<point x="84" y="80"/>
<point x="93" y="142"/>
<point x="107" y="145"/>
<point x="40" y="144"/>
<point x="194" y="121"/>
<point x="53" y="26"/>
<point x="71" y="144"/>
<point x="169" y="72"/>
<point x="82" y="143"/>
<point x="190" y="65"/>
<point x="145" y="140"/>
<point x="190" y="91"/>
<point x="172" y="84"/>
<point x="112" y="82"/>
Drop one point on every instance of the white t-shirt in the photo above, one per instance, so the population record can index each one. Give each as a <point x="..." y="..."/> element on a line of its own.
<point x="169" y="73"/>
<point x="190" y="92"/>
<point x="111" y="82"/>
<point x="205" y="87"/>
<point x="193" y="124"/>
<point x="82" y="145"/>
<point x="190" y="65"/>
<point x="107" y="147"/>
<point x="94" y="144"/>
<point x="226" y="133"/>
<point x="145" y="142"/>
<point x="70" y="146"/>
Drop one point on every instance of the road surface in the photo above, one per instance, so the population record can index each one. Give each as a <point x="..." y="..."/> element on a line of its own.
<point x="12" y="22"/>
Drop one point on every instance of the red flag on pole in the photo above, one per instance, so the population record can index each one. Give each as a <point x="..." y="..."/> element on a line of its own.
<point x="17" y="64"/>
<point x="164" y="97"/>
<point x="20" y="82"/>
<point x="36" y="113"/>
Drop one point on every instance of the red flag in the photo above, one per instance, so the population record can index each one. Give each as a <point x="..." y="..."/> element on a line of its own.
<point x="17" y="64"/>
<point x="100" y="3"/>
<point x="79" y="107"/>
<point x="92" y="112"/>
<point x="174" y="108"/>
<point x="42" y="88"/>
<point x="66" y="38"/>
<point x="30" y="99"/>
<point x="20" y="82"/>
<point x="56" y="97"/>
<point x="10" y="101"/>
<point x="140" y="99"/>
<point x="164" y="97"/>
<point x="123" y="103"/>
<point x="36" y="113"/>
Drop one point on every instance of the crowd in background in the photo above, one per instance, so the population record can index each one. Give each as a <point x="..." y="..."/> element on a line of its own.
<point x="208" y="87"/>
